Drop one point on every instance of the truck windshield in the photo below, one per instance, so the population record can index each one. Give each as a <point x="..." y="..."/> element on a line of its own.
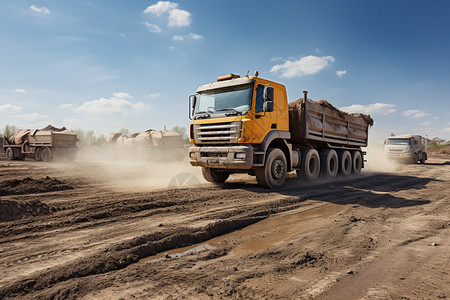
<point x="235" y="100"/>
<point x="398" y="141"/>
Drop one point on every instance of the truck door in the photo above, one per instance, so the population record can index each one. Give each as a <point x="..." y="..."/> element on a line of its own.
<point x="264" y="121"/>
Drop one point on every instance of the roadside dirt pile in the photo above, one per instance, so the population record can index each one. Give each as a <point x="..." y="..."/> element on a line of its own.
<point x="439" y="152"/>
<point x="11" y="210"/>
<point x="29" y="185"/>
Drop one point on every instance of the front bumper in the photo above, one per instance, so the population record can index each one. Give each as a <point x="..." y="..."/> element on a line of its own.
<point x="222" y="157"/>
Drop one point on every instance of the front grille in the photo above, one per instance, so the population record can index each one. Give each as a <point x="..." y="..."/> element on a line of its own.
<point x="220" y="133"/>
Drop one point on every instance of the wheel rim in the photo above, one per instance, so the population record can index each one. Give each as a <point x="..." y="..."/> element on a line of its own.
<point x="277" y="169"/>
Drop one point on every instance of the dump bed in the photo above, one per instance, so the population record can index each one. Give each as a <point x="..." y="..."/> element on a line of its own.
<point x="311" y="121"/>
<point x="53" y="138"/>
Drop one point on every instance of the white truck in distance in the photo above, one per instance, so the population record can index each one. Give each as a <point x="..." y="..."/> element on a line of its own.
<point x="406" y="148"/>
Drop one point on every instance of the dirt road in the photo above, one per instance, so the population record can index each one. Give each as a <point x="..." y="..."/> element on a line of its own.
<point x="90" y="231"/>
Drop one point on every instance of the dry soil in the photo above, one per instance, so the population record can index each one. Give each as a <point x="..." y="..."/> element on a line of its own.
<point x="146" y="230"/>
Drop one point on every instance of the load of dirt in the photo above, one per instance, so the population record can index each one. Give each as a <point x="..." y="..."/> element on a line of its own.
<point x="29" y="185"/>
<point x="11" y="210"/>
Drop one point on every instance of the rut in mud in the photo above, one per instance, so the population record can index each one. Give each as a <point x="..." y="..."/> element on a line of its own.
<point x="307" y="240"/>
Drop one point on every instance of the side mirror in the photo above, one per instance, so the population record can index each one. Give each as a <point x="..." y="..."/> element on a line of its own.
<point x="268" y="106"/>
<point x="268" y="93"/>
<point x="192" y="101"/>
<point x="385" y="142"/>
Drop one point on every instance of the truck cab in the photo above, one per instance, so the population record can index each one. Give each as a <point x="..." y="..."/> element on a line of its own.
<point x="406" y="148"/>
<point x="232" y="117"/>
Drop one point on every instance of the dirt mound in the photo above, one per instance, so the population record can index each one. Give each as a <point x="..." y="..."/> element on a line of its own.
<point x="11" y="210"/>
<point x="29" y="185"/>
<point x="439" y="151"/>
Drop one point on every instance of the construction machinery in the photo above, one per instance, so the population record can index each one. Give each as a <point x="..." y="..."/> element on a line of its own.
<point x="246" y="125"/>
<point x="152" y="145"/>
<point x="41" y="144"/>
<point x="406" y="148"/>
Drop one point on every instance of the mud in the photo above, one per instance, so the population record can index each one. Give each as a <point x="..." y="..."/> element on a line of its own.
<point x="121" y="231"/>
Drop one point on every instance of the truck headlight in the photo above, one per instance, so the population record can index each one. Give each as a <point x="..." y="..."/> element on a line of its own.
<point x="193" y="155"/>
<point x="240" y="155"/>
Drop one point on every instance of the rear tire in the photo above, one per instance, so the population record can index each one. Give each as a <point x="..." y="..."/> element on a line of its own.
<point x="214" y="175"/>
<point x="273" y="174"/>
<point x="414" y="158"/>
<point x="345" y="162"/>
<point x="328" y="163"/>
<point x="310" y="167"/>
<point x="46" y="154"/>
<point x="357" y="162"/>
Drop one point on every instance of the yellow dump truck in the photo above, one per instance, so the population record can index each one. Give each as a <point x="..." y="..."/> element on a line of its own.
<point x="41" y="144"/>
<point x="246" y="125"/>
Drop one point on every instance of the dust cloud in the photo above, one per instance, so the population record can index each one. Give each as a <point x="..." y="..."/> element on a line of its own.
<point x="376" y="161"/>
<point x="132" y="172"/>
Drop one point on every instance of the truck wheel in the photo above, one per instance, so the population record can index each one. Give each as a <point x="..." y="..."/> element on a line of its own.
<point x="46" y="154"/>
<point x="214" y="175"/>
<point x="357" y="162"/>
<point x="9" y="154"/>
<point x="310" y="167"/>
<point x="37" y="154"/>
<point x="345" y="162"/>
<point x="414" y="158"/>
<point x="422" y="159"/>
<point x="328" y="163"/>
<point x="273" y="174"/>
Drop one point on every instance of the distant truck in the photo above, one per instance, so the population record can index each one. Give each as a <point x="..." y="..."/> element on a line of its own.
<point x="41" y="144"/>
<point x="151" y="145"/>
<point x="246" y="125"/>
<point x="406" y="148"/>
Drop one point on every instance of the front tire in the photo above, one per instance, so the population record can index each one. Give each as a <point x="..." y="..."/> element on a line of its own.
<point x="273" y="174"/>
<point x="9" y="154"/>
<point x="214" y="175"/>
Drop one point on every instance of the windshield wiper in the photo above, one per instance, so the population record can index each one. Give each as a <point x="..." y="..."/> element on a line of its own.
<point x="204" y="115"/>
<point x="235" y="112"/>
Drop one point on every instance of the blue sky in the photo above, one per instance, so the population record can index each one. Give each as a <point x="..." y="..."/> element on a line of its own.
<point x="106" y="65"/>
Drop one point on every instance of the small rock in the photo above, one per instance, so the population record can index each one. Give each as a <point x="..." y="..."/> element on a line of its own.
<point x="350" y="272"/>
<point x="235" y="269"/>
<point x="434" y="244"/>
<point x="402" y="278"/>
<point x="166" y="255"/>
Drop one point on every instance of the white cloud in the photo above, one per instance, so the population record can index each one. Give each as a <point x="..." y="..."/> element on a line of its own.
<point x="307" y="65"/>
<point x="415" y="113"/>
<point x="341" y="73"/>
<point x="122" y="95"/>
<point x="317" y="50"/>
<point x="152" y="27"/>
<point x="41" y="10"/>
<point x="117" y="104"/>
<point x="20" y="91"/>
<point x="160" y="8"/>
<point x="172" y="48"/>
<point x="191" y="36"/>
<point x="32" y="116"/>
<point x="66" y="105"/>
<point x="436" y="117"/>
<point x="194" y="36"/>
<point x="176" y="17"/>
<point x="155" y="95"/>
<point x="374" y="108"/>
<point x="8" y="108"/>
<point x="425" y="124"/>
<point x="179" y="18"/>
<point x="276" y="59"/>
